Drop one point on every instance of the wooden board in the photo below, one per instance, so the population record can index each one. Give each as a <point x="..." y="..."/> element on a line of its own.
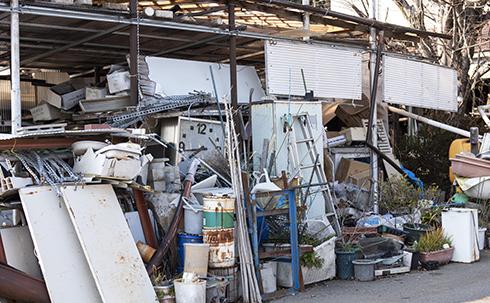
<point x="65" y="269"/>
<point x="109" y="248"/>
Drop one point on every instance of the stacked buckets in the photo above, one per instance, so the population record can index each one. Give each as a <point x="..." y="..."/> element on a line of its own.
<point x="218" y="230"/>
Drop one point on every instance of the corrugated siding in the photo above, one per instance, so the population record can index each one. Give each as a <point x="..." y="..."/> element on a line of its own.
<point x="331" y="72"/>
<point x="419" y="84"/>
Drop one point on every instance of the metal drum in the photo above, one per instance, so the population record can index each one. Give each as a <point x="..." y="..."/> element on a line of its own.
<point x="218" y="212"/>
<point x="221" y="247"/>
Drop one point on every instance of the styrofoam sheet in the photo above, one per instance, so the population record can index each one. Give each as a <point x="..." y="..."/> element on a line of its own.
<point x="420" y="84"/>
<point x="331" y="72"/>
<point x="180" y="77"/>
<point x="108" y="245"/>
<point x="65" y="269"/>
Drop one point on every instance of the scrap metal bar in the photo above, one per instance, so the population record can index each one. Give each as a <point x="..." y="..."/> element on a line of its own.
<point x="22" y="287"/>
<point x="133" y="52"/>
<point x="142" y="207"/>
<point x="65" y="47"/>
<point x="453" y="129"/>
<point x="15" y="103"/>
<point x="391" y="162"/>
<point x="283" y="252"/>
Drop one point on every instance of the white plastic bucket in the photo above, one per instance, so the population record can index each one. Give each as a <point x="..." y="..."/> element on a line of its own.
<point x="190" y="292"/>
<point x="268" y="278"/>
<point x="193" y="220"/>
<point x="481" y="238"/>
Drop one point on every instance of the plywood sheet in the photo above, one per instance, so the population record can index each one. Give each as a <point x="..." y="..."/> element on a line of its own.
<point x="108" y="245"/>
<point x="65" y="269"/>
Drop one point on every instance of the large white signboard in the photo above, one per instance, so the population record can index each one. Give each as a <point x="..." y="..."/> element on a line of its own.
<point x="419" y="84"/>
<point x="331" y="72"/>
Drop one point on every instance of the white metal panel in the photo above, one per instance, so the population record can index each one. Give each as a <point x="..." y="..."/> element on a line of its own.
<point x="19" y="250"/>
<point x="267" y="122"/>
<point x="61" y="257"/>
<point x="108" y="245"/>
<point x="331" y="72"/>
<point x="179" y="77"/>
<point x="419" y="84"/>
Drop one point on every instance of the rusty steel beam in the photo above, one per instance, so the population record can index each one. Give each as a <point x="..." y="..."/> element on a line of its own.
<point x="46" y="143"/>
<point x="22" y="287"/>
<point x="142" y="207"/>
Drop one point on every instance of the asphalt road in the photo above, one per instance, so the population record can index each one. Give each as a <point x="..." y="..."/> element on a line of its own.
<point x="454" y="282"/>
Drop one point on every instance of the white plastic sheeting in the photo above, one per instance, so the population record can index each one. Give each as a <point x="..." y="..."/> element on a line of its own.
<point x="419" y="84"/>
<point x="331" y="72"/>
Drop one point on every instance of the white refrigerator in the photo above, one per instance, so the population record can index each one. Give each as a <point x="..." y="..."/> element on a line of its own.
<point x="462" y="225"/>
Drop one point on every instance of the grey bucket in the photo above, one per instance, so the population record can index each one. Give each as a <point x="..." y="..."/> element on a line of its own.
<point x="364" y="270"/>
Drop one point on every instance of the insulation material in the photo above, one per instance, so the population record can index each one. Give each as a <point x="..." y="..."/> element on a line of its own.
<point x="419" y="84"/>
<point x="331" y="72"/>
<point x="180" y="77"/>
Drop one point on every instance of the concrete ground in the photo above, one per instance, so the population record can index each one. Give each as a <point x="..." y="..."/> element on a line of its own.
<point x="454" y="282"/>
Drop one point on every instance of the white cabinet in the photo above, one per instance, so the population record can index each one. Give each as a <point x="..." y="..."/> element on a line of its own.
<point x="462" y="225"/>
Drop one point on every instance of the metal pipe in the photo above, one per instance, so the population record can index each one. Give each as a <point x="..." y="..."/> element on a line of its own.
<point x="172" y="230"/>
<point x="372" y="135"/>
<point x="142" y="207"/>
<point x="390" y="161"/>
<point x="233" y="76"/>
<point x="133" y="52"/>
<point x="22" y="287"/>
<point x="453" y="129"/>
<point x="16" y="105"/>
<point x="94" y="16"/>
<point x="481" y="110"/>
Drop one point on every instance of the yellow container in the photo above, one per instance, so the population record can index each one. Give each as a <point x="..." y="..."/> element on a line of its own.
<point x="456" y="147"/>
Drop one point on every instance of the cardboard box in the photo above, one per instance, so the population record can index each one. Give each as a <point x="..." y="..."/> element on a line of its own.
<point x="354" y="134"/>
<point x="66" y="101"/>
<point x="359" y="178"/>
<point x="95" y="92"/>
<point x="45" y="112"/>
<point x="118" y="81"/>
<point x="348" y="167"/>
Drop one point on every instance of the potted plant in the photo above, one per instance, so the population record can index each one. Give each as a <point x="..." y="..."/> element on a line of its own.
<point x="435" y="246"/>
<point x="164" y="289"/>
<point x="401" y="198"/>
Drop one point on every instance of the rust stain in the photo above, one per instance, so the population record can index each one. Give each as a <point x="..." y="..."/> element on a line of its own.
<point x="72" y="212"/>
<point x="31" y="193"/>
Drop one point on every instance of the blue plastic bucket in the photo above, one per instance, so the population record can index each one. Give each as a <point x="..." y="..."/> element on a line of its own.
<point x="181" y="239"/>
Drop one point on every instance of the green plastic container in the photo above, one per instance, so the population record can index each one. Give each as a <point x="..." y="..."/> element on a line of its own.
<point x="415" y="230"/>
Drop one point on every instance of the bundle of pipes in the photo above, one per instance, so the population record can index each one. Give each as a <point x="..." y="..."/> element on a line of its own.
<point x="249" y="284"/>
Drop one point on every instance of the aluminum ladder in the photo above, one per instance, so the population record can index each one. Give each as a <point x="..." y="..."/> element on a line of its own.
<point x="313" y="154"/>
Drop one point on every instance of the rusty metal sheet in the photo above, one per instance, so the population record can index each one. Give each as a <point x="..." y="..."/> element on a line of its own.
<point x="109" y="248"/>
<point x="65" y="269"/>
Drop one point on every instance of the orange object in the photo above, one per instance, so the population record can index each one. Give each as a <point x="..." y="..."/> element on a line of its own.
<point x="456" y="147"/>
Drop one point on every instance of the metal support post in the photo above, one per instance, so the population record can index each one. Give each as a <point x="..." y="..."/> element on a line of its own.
<point x="133" y="52"/>
<point x="16" y="103"/>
